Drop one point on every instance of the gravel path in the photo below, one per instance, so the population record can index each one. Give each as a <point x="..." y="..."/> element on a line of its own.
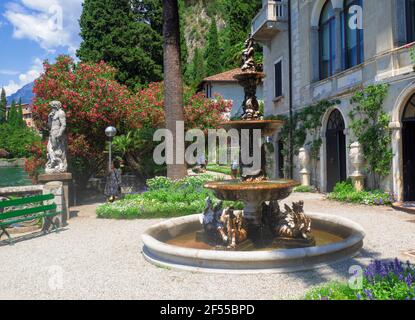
<point x="101" y="259"/>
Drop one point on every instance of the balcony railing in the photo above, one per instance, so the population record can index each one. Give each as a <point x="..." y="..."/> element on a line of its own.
<point x="272" y="12"/>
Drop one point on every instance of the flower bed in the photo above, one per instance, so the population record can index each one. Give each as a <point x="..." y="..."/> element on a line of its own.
<point x="164" y="198"/>
<point x="382" y="280"/>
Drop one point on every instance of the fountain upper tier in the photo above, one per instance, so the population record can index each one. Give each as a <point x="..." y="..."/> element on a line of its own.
<point x="249" y="75"/>
<point x="268" y="127"/>
<point x="258" y="192"/>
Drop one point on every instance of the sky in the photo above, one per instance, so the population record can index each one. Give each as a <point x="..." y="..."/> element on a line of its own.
<point x="32" y="31"/>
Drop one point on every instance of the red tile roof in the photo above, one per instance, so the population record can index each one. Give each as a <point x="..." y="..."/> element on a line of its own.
<point x="223" y="77"/>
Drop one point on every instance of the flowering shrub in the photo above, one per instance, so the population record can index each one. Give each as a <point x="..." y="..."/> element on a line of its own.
<point x="164" y="198"/>
<point x="36" y="162"/>
<point x="382" y="280"/>
<point x="199" y="112"/>
<point x="93" y="100"/>
<point x="345" y="192"/>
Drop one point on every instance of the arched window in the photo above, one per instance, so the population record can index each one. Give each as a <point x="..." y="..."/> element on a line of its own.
<point x="327" y="32"/>
<point x="410" y="20"/>
<point x="353" y="45"/>
<point x="336" y="122"/>
<point x="409" y="112"/>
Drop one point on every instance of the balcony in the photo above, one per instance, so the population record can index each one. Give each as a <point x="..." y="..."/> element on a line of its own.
<point x="272" y="19"/>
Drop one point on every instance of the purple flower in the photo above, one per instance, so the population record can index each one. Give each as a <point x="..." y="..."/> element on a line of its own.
<point x="369" y="294"/>
<point x="409" y="280"/>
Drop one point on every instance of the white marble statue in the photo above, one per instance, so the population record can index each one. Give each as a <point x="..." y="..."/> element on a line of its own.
<point x="57" y="144"/>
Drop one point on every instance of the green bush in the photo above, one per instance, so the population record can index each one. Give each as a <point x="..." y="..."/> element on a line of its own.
<point x="345" y="192"/>
<point x="164" y="198"/>
<point x="16" y="140"/>
<point x="331" y="291"/>
<point x="382" y="280"/>
<point x="304" y="189"/>
<point x="219" y="169"/>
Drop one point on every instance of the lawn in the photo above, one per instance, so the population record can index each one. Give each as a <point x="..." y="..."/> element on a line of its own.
<point x="164" y="199"/>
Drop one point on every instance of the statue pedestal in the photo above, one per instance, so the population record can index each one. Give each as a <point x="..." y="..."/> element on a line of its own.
<point x="358" y="181"/>
<point x="65" y="178"/>
<point x="357" y="160"/>
<point x="304" y="159"/>
<point x="305" y="178"/>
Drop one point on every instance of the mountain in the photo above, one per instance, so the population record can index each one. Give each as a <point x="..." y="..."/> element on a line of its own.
<point x="25" y="93"/>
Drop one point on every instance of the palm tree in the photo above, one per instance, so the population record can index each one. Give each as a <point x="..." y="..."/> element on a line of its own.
<point x="173" y="82"/>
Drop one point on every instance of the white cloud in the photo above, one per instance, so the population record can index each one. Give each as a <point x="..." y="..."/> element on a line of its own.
<point x="6" y="72"/>
<point x="32" y="74"/>
<point x="51" y="23"/>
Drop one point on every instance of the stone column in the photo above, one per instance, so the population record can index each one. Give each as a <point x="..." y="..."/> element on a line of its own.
<point x="338" y="65"/>
<point x="397" y="162"/>
<point x="323" y="160"/>
<point x="304" y="158"/>
<point x="63" y="178"/>
<point x="56" y="188"/>
<point x="358" y="161"/>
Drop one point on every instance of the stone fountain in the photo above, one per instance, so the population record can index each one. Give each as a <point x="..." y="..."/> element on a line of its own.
<point x="262" y="237"/>
<point x="264" y="219"/>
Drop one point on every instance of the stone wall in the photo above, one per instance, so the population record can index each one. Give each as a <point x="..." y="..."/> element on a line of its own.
<point x="7" y="163"/>
<point x="54" y="188"/>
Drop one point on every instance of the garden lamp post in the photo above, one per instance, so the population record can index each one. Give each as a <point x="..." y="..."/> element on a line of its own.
<point x="110" y="132"/>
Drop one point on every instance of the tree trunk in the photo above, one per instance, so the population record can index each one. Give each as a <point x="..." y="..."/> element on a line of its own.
<point x="173" y="83"/>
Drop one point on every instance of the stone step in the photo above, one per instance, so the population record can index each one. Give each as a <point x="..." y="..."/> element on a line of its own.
<point x="408" y="207"/>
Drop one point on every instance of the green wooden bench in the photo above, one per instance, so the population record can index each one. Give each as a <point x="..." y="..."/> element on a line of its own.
<point x="36" y="210"/>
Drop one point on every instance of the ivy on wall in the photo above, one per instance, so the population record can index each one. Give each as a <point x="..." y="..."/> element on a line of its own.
<point x="370" y="125"/>
<point x="306" y="122"/>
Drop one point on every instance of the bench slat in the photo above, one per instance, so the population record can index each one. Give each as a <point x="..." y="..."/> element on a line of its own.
<point x="28" y="200"/>
<point x="27" y="211"/>
<point x="17" y="220"/>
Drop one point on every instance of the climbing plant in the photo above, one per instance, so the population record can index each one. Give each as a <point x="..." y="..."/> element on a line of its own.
<point x="306" y="122"/>
<point x="370" y="125"/>
<point x="412" y="56"/>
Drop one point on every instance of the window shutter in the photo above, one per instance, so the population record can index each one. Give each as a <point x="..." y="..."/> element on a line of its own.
<point x="278" y="79"/>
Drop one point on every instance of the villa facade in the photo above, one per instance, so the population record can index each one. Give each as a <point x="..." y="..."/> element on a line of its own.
<point x="27" y="114"/>
<point x="331" y="60"/>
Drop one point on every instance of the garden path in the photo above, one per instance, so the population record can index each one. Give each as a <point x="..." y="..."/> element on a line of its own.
<point x="101" y="259"/>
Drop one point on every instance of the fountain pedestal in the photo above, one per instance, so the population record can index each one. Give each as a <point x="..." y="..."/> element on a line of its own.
<point x="253" y="213"/>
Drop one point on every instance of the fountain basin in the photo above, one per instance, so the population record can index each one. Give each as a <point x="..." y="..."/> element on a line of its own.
<point x="267" y="190"/>
<point x="158" y="251"/>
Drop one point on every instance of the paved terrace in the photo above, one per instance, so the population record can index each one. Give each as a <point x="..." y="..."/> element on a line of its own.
<point x="101" y="259"/>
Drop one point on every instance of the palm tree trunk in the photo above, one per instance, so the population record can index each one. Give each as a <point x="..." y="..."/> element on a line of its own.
<point x="173" y="82"/>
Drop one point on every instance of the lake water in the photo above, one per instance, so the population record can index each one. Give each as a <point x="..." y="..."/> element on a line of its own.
<point x="14" y="176"/>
